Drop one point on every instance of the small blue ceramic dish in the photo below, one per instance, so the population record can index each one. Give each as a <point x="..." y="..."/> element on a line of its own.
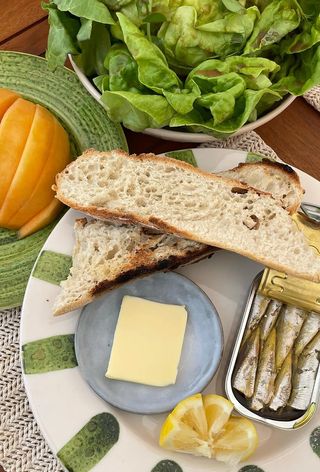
<point x="201" y="352"/>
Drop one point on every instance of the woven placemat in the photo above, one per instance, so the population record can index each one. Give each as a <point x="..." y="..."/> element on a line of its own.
<point x="313" y="97"/>
<point x="22" y="446"/>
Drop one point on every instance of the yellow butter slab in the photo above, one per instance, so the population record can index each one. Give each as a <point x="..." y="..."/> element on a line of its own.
<point x="147" y="343"/>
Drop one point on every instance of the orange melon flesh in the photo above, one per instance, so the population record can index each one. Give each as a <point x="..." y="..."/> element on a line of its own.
<point x="58" y="157"/>
<point x="31" y="164"/>
<point x="7" y="97"/>
<point x="42" y="219"/>
<point x="14" y="131"/>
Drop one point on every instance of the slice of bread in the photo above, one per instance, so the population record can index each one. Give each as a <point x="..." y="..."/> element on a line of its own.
<point x="177" y="198"/>
<point x="107" y="255"/>
<point x="273" y="177"/>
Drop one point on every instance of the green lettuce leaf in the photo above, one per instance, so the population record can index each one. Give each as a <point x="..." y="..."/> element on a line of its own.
<point x="278" y="19"/>
<point x="102" y="82"/>
<point x="182" y="101"/>
<point x="91" y="10"/>
<point x="300" y="73"/>
<point x="251" y="69"/>
<point x="94" y="41"/>
<point x="244" y="106"/>
<point x="221" y="104"/>
<point x="311" y="8"/>
<point x="207" y="10"/>
<point x="261" y="4"/>
<point x="117" y="4"/>
<point x="308" y="36"/>
<point x="153" y="69"/>
<point x="62" y="38"/>
<point x="233" y="5"/>
<point x="137" y="111"/>
<point x="85" y="30"/>
<point x="189" y="43"/>
<point x="123" y="70"/>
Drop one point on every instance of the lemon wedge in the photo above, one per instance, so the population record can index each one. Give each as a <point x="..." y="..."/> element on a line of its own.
<point x="217" y="410"/>
<point x="203" y="426"/>
<point x="236" y="442"/>
<point x="186" y="429"/>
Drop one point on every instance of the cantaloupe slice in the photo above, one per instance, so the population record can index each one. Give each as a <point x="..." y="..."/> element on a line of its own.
<point x="7" y="97"/>
<point x="14" y="131"/>
<point x="42" y="219"/>
<point x="58" y="157"/>
<point x="31" y="164"/>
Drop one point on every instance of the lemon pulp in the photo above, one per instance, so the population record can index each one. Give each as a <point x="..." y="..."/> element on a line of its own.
<point x="203" y="426"/>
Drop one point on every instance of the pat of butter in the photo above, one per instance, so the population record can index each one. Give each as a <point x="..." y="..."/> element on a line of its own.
<point x="147" y="343"/>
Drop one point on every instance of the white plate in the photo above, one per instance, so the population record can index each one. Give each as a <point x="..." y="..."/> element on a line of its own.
<point x="62" y="402"/>
<point x="181" y="136"/>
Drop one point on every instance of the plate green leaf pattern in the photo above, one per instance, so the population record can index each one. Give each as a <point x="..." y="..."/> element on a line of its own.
<point x="253" y="157"/>
<point x="90" y="444"/>
<point x="48" y="354"/>
<point x="183" y="155"/>
<point x="250" y="468"/>
<point x="88" y="126"/>
<point x="52" y="267"/>
<point x="315" y="441"/>
<point x="167" y="466"/>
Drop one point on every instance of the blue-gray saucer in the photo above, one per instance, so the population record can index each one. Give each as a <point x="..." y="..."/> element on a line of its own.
<point x="201" y="352"/>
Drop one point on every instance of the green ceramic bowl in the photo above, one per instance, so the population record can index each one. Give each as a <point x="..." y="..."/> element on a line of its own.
<point x="88" y="127"/>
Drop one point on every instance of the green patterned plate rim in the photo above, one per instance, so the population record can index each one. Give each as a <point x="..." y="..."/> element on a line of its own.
<point x="88" y="126"/>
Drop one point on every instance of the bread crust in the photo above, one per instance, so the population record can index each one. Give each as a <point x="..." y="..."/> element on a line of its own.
<point x="288" y="174"/>
<point x="137" y="267"/>
<point x="161" y="225"/>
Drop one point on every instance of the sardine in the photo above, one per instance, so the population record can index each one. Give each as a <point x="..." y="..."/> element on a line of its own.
<point x="266" y="374"/>
<point x="283" y="384"/>
<point x="305" y="374"/>
<point x="288" y="329"/>
<point x="258" y="309"/>
<point x="270" y="318"/>
<point x="309" y="329"/>
<point x="246" y="372"/>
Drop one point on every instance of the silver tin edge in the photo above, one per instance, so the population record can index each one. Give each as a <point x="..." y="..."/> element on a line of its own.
<point x="284" y="425"/>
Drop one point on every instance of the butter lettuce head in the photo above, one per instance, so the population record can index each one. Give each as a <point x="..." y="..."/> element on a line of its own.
<point x="188" y="41"/>
<point x="203" y="65"/>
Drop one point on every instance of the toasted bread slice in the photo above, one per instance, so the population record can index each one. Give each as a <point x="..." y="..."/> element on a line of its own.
<point x="107" y="255"/>
<point x="178" y="198"/>
<point x="273" y="177"/>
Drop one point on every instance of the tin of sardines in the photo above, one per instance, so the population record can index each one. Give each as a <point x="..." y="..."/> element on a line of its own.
<point x="273" y="375"/>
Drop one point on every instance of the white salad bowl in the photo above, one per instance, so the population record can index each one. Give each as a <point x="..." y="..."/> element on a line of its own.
<point x="184" y="136"/>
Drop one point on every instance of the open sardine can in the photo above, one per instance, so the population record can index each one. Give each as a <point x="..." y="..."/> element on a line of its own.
<point x="273" y="375"/>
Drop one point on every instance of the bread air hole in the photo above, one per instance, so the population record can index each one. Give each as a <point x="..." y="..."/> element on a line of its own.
<point x="112" y="252"/>
<point x="141" y="202"/>
<point x="131" y="191"/>
<point x="150" y="189"/>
